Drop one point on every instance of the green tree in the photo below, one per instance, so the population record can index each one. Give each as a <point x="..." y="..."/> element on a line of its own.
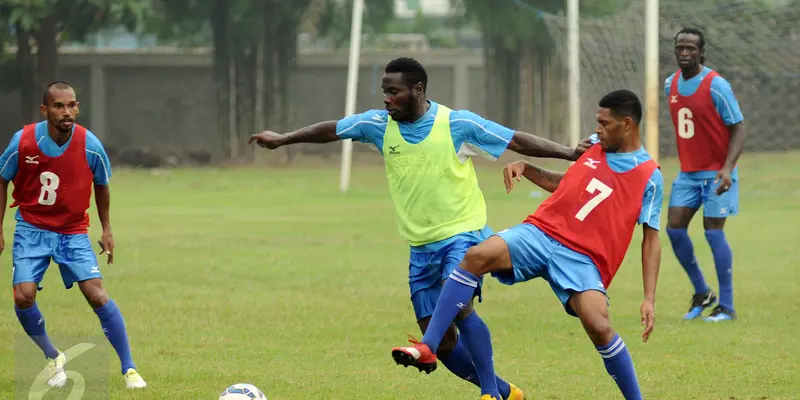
<point x="333" y="19"/>
<point x="254" y="46"/>
<point x="44" y="24"/>
<point x="516" y="41"/>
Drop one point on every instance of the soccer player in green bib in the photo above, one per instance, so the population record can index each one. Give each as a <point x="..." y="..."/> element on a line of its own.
<point x="439" y="206"/>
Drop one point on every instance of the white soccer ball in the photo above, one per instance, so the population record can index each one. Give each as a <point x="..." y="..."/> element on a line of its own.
<point x="242" y="391"/>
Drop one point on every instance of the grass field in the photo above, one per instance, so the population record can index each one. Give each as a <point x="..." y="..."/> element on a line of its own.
<point x="275" y="278"/>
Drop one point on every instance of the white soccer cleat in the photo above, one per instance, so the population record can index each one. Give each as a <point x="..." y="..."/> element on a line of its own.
<point x="57" y="377"/>
<point x="133" y="380"/>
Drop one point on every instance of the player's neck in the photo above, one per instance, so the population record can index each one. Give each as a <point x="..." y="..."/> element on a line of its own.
<point x="630" y="145"/>
<point x="692" y="72"/>
<point x="420" y="110"/>
<point x="59" y="137"/>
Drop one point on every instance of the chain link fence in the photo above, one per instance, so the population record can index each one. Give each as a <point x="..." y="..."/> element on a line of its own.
<point x="756" y="49"/>
<point x="162" y="106"/>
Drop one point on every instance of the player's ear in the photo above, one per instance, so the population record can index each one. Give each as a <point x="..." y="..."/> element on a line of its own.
<point x="627" y="124"/>
<point x="418" y="90"/>
<point x="43" y="110"/>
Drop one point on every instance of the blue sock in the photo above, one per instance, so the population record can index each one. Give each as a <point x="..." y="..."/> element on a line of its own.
<point x="723" y="261"/>
<point x="33" y="323"/>
<point x="457" y="291"/>
<point x="459" y="363"/>
<point x="114" y="329"/>
<point x="684" y="251"/>
<point x="620" y="366"/>
<point x="478" y="341"/>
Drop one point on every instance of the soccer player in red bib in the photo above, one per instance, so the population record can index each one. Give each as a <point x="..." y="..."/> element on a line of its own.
<point x="54" y="164"/>
<point x="710" y="134"/>
<point x="576" y="240"/>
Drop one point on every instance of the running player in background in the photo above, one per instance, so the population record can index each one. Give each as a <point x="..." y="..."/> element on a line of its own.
<point x="710" y="134"/>
<point x="53" y="165"/>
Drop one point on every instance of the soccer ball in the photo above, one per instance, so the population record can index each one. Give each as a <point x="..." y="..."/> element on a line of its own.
<point x="242" y="391"/>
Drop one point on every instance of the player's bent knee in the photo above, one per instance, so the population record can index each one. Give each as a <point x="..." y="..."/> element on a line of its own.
<point x="25" y="295"/>
<point x="679" y="217"/>
<point x="489" y="256"/>
<point x="597" y="327"/>
<point x="591" y="308"/>
<point x="600" y="332"/>
<point x="94" y="292"/>
<point x="474" y="261"/>
<point x="710" y="223"/>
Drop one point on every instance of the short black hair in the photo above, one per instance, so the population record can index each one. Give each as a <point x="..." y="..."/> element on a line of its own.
<point x="57" y="85"/>
<point x="623" y="103"/>
<point x="412" y="71"/>
<point x="701" y="39"/>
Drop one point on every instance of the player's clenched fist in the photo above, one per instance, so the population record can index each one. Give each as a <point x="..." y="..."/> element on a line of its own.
<point x="268" y="139"/>
<point x="513" y="171"/>
<point x="582" y="147"/>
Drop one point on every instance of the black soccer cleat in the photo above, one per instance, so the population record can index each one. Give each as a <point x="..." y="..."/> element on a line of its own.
<point x="721" y="313"/>
<point x="699" y="303"/>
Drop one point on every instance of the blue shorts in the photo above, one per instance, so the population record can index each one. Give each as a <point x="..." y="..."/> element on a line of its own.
<point x="535" y="254"/>
<point x="427" y="271"/>
<point x="33" y="250"/>
<point x="692" y="193"/>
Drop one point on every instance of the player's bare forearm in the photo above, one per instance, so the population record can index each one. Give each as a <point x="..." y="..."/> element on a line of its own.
<point x="102" y="198"/>
<point x="3" y="202"/>
<point x="735" y="145"/>
<point x="545" y="179"/>
<point x="651" y="262"/>
<point x="321" y="132"/>
<point x="535" y="146"/>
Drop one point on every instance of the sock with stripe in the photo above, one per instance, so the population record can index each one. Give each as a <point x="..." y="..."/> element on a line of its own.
<point x="619" y="365"/>
<point x="457" y="291"/>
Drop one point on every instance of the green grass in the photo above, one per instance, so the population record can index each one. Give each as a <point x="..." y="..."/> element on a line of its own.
<point x="275" y="278"/>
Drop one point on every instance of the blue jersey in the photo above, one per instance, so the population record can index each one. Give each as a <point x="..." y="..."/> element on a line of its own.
<point x="472" y="135"/>
<point x="95" y="155"/>
<point x="724" y="101"/>
<point x="653" y="195"/>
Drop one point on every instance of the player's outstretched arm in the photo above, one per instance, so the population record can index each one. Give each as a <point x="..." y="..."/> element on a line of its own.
<point x="321" y="132"/>
<point x="545" y="179"/>
<point x="535" y="146"/>
<point x="651" y="263"/>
